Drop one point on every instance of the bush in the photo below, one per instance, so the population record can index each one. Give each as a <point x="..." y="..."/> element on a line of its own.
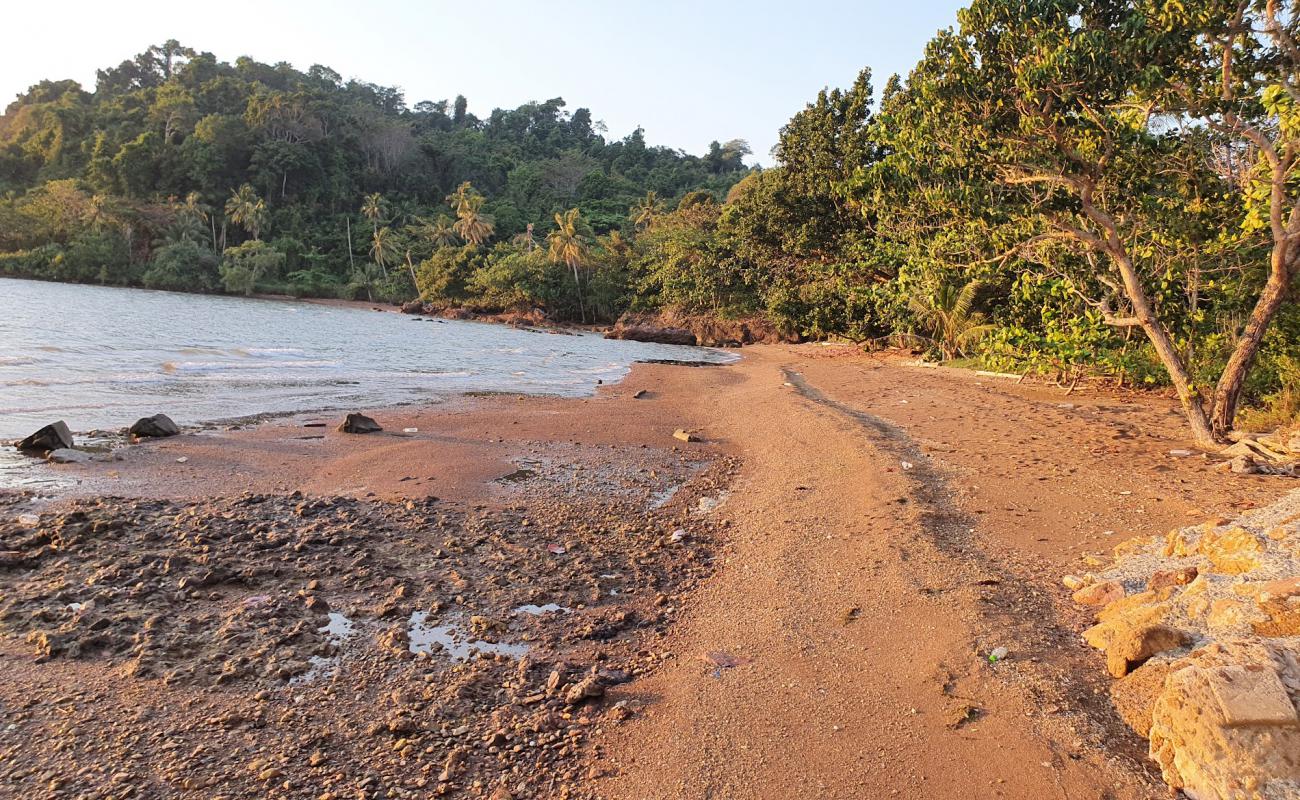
<point x="183" y="266"/>
<point x="242" y="267"/>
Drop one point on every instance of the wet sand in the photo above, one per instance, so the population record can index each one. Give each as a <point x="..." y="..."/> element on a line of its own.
<point x="803" y="606"/>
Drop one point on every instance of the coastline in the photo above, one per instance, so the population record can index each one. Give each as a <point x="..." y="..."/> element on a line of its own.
<point x="730" y="655"/>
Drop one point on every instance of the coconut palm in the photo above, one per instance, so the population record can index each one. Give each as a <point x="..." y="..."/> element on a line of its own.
<point x="440" y="232"/>
<point x="196" y="209"/>
<point x="383" y="248"/>
<point x="646" y="209"/>
<point x="372" y="208"/>
<point x="949" y="317"/>
<point x="472" y="224"/>
<point x="568" y="247"/>
<point x="247" y="210"/>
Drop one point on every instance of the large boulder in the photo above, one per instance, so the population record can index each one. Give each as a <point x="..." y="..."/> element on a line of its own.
<point x="359" y="423"/>
<point x="1226" y="725"/>
<point x="413" y="307"/>
<point x="55" y="436"/>
<point x="157" y="426"/>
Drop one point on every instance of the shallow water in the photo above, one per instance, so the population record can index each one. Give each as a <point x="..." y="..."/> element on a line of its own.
<point x="99" y="358"/>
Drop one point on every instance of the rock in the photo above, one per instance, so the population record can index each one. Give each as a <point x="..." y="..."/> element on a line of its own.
<point x="1135" y="646"/>
<point x="1243" y="465"/>
<point x="638" y="333"/>
<point x="1293" y="444"/>
<point x="1099" y="594"/>
<point x="54" y="436"/>
<point x="413" y="307"/>
<point x="1135" y="694"/>
<point x="1172" y="577"/>
<point x="1225" y="725"/>
<point x="157" y="426"/>
<point x="588" y="687"/>
<point x="359" y="423"/>
<point x="685" y="435"/>
<point x="1232" y="551"/>
<point x="65" y="455"/>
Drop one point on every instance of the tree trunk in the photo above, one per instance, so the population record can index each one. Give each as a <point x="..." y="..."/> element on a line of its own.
<point x="1190" y="397"/>
<point x="411" y="267"/>
<point x="578" y="286"/>
<point x="1227" y="393"/>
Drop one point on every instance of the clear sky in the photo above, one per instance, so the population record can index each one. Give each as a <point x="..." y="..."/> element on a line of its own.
<point x="687" y="72"/>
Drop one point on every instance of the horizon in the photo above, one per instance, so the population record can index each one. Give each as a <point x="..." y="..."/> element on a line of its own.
<point x="670" y="102"/>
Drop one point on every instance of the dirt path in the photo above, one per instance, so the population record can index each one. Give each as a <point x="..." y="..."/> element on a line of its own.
<point x="862" y="593"/>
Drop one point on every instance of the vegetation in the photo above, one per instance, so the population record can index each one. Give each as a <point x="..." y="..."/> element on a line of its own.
<point x="1060" y="186"/>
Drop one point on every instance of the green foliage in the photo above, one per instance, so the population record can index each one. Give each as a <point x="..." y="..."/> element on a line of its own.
<point x="183" y="266"/>
<point x="244" y="266"/>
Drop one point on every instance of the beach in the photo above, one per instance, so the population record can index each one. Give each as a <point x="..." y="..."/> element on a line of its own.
<point x="516" y="596"/>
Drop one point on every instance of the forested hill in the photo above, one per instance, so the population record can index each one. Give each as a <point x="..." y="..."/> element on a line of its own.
<point x="97" y="183"/>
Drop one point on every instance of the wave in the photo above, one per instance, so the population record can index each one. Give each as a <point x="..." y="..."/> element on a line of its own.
<point x="236" y="366"/>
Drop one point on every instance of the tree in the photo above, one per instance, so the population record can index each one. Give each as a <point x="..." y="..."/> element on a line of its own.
<point x="568" y="247"/>
<point x="647" y="208"/>
<point x="472" y="225"/>
<point x="950" y="317"/>
<point x="1049" y="114"/>
<point x="372" y="208"/>
<point x="383" y="248"/>
<point x="246" y="209"/>
<point x="246" y="264"/>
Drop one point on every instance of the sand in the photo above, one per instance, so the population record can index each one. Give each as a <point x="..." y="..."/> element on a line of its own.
<point x="874" y="531"/>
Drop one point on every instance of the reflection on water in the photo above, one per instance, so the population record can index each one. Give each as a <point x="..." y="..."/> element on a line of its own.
<point x="426" y="638"/>
<point x="101" y="357"/>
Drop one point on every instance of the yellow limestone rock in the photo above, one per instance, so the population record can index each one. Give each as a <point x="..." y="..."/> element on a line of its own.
<point x="1225" y="724"/>
<point x="1132" y="647"/>
<point x="1232" y="551"/>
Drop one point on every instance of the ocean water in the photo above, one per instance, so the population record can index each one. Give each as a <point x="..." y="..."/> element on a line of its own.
<point x="99" y="358"/>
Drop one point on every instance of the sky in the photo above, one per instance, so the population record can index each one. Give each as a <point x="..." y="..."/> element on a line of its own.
<point x="687" y="72"/>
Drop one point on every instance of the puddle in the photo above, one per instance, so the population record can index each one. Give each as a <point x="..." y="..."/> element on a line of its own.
<point x="537" y="611"/>
<point x="428" y="638"/>
<point x="338" y="629"/>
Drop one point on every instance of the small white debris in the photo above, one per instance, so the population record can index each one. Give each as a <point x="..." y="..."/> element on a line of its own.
<point x="678" y="535"/>
<point x="907" y="465"/>
<point x="410" y="430"/>
<point x="998" y="654"/>
<point x="1181" y="453"/>
<point x="29" y="520"/>
<point x="182" y="459"/>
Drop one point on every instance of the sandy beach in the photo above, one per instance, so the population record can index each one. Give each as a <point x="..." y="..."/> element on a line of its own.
<point x="509" y="596"/>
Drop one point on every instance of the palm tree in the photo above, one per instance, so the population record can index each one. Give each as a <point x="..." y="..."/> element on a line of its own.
<point x="440" y="232"/>
<point x="383" y="248"/>
<point x="646" y="209"/>
<point x="950" y="318"/>
<point x="472" y="224"/>
<point x="248" y="210"/>
<point x="372" y="208"/>
<point x="196" y="209"/>
<point x="568" y="247"/>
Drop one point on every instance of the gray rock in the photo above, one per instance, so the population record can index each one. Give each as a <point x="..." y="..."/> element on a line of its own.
<point x="359" y="423"/>
<point x="159" y="425"/>
<point x="52" y="437"/>
<point x="66" y="455"/>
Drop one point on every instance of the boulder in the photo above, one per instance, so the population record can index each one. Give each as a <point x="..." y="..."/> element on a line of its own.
<point x="359" y="423"/>
<point x="54" y="436"/>
<point x="1135" y="694"/>
<point x="1232" y="551"/>
<point x="1133" y="646"/>
<point x="1099" y="594"/>
<point x="1172" y="577"/>
<point x="65" y="455"/>
<point x="1225" y="724"/>
<point x="413" y="307"/>
<point x="637" y="333"/>
<point x="157" y="426"/>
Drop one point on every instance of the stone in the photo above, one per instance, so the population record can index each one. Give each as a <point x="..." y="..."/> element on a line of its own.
<point x="642" y="333"/>
<point x="157" y="426"/>
<point x="1225" y="725"/>
<point x="1072" y="582"/>
<point x="1283" y="589"/>
<point x="1172" y="577"/>
<point x="66" y="455"/>
<point x="1133" y="647"/>
<point x="685" y="435"/>
<point x="359" y="423"/>
<point x="1135" y="694"/>
<point x="1233" y="551"/>
<point x="588" y="687"/>
<point x="54" y="436"/>
<point x="1244" y="465"/>
<point x="1099" y="594"/>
